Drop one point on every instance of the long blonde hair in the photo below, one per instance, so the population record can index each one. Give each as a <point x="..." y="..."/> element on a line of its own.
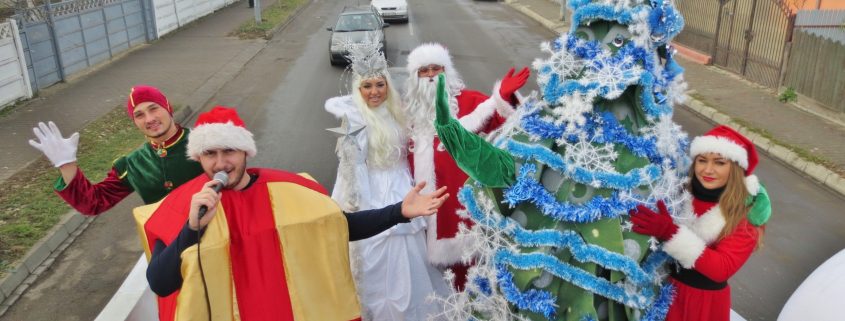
<point x="732" y="202"/>
<point x="386" y="146"/>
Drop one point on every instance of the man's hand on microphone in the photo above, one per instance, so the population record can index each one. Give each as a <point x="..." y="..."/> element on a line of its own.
<point x="205" y="197"/>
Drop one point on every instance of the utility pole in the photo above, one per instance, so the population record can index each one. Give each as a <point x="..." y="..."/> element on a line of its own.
<point x="257" y="10"/>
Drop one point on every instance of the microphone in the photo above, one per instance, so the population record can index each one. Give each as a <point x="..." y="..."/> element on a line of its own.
<point x="221" y="177"/>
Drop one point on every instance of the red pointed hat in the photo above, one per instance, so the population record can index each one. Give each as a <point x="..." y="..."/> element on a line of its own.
<point x="729" y="143"/>
<point x="142" y="94"/>
<point x="221" y="127"/>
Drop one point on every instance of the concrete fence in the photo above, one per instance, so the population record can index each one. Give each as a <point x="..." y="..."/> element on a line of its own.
<point x="60" y="40"/>
<point x="173" y="14"/>
<point x="53" y="42"/>
<point x="14" y="78"/>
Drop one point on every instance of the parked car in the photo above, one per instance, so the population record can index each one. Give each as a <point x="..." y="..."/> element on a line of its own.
<point x="392" y="9"/>
<point x="353" y="26"/>
<point x="818" y="298"/>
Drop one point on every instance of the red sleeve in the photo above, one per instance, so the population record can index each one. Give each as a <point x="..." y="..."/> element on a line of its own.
<point x="469" y="100"/>
<point x="495" y="122"/>
<point x="93" y="199"/>
<point x="723" y="259"/>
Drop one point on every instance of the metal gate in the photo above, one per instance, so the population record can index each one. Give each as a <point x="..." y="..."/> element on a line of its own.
<point x="751" y="38"/>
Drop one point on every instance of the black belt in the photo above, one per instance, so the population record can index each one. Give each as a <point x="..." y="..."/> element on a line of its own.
<point x="697" y="280"/>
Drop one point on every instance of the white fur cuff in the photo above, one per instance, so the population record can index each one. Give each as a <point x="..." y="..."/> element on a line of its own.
<point x="685" y="247"/>
<point x="503" y="107"/>
<point x="475" y="120"/>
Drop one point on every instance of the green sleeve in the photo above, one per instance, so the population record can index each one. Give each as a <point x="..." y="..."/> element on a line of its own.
<point x="478" y="158"/>
<point x="60" y="184"/>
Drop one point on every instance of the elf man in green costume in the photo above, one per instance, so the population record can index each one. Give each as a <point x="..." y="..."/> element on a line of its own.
<point x="153" y="170"/>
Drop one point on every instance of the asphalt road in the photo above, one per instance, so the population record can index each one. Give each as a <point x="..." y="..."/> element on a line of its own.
<point x="280" y="95"/>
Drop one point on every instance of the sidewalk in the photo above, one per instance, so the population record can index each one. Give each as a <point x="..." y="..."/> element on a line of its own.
<point x="189" y="65"/>
<point x="724" y="97"/>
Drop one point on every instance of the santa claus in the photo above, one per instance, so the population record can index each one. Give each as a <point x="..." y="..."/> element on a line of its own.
<point x="476" y="112"/>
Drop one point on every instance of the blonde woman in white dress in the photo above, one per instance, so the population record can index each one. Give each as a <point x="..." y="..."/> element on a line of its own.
<point x="393" y="276"/>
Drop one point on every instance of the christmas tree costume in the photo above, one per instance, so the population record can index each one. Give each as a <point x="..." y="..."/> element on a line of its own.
<point x="550" y="199"/>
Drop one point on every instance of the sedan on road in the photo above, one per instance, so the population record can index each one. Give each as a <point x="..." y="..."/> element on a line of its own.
<point x="353" y="26"/>
<point x="392" y="9"/>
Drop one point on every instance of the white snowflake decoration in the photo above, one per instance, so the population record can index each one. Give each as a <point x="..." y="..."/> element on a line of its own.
<point x="572" y="108"/>
<point x="565" y="64"/>
<point x="586" y="155"/>
<point x="467" y="304"/>
<point x="611" y="76"/>
<point x="668" y="136"/>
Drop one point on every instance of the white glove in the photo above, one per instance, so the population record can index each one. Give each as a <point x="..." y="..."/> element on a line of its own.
<point x="59" y="150"/>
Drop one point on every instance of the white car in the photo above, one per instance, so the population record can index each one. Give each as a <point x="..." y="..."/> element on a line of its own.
<point x="392" y="9"/>
<point x="820" y="296"/>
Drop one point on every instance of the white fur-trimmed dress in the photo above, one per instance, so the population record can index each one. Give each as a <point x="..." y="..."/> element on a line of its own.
<point x="392" y="273"/>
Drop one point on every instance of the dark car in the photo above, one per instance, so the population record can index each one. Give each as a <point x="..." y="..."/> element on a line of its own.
<point x="352" y="26"/>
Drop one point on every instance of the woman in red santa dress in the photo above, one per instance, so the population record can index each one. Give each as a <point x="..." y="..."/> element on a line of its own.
<point x="731" y="209"/>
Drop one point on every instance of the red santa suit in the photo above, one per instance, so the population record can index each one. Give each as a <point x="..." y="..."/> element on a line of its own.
<point x="702" y="290"/>
<point x="431" y="162"/>
<point x="705" y="260"/>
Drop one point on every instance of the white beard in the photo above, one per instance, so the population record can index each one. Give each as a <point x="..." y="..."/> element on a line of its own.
<point x="420" y="109"/>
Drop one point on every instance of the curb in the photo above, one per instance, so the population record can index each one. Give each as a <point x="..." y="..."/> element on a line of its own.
<point x="272" y="32"/>
<point x="205" y="93"/>
<point x="819" y="173"/>
<point x="42" y="255"/>
<point x="556" y="27"/>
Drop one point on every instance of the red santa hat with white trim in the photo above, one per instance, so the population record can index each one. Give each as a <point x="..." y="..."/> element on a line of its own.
<point x="732" y="145"/>
<point x="429" y="54"/>
<point x="219" y="128"/>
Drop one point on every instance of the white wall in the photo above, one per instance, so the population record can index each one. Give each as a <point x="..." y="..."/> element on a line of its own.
<point x="14" y="79"/>
<point x="172" y="14"/>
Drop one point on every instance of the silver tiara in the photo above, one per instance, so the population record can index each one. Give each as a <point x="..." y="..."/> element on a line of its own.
<point x="366" y="58"/>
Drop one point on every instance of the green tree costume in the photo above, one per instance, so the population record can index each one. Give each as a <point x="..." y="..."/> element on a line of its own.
<point x="551" y="192"/>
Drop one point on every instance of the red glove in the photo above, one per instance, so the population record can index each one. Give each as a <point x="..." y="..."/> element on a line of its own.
<point x="511" y="83"/>
<point x="659" y="225"/>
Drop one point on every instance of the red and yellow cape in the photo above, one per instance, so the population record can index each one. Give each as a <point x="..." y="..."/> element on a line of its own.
<point x="277" y="250"/>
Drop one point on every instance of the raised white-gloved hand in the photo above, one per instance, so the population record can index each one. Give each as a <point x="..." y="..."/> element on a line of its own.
<point x="58" y="149"/>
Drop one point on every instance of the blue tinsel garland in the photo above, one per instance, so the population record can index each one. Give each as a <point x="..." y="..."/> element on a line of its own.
<point x="527" y="189"/>
<point x="658" y="310"/>
<point x="571" y="240"/>
<point x="576" y="276"/>
<point x="602" y="129"/>
<point x="599" y="179"/>
<point x="532" y="300"/>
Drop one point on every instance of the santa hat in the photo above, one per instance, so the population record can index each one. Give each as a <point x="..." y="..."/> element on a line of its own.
<point x="221" y="127"/>
<point x="727" y="142"/>
<point x="142" y="94"/>
<point x="428" y="54"/>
